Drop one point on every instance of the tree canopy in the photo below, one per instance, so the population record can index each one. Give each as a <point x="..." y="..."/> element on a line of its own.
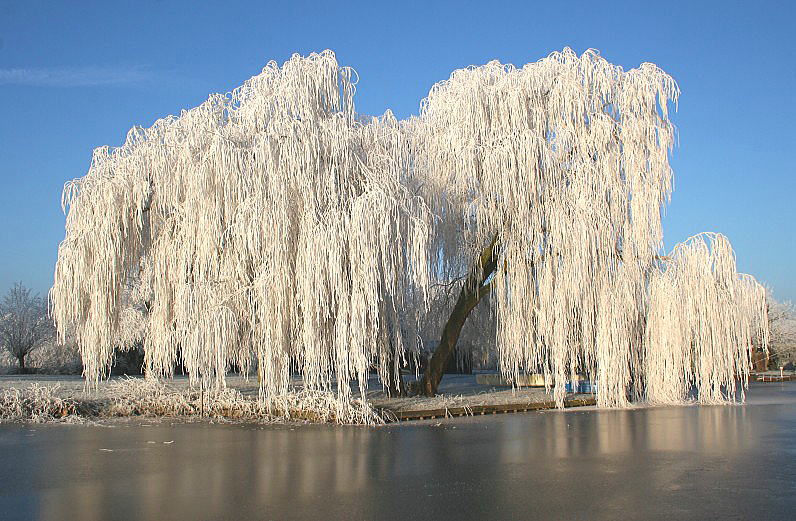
<point x="274" y="226"/>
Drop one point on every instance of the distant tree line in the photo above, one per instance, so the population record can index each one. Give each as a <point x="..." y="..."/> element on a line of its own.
<point x="782" y="323"/>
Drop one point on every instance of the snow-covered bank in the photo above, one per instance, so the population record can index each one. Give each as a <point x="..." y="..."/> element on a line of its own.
<point x="48" y="398"/>
<point x="55" y="398"/>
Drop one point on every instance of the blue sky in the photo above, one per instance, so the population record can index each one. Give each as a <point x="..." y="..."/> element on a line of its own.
<point x="77" y="75"/>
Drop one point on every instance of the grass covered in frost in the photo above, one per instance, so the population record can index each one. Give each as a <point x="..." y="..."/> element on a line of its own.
<point x="130" y="397"/>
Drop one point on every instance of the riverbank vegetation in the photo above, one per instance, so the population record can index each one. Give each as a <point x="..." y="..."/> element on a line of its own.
<point x="150" y="398"/>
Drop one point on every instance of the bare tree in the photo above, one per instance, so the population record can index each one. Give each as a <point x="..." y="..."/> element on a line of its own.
<point x="782" y="323"/>
<point x="24" y="325"/>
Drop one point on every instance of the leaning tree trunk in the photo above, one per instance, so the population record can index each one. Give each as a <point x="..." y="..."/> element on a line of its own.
<point x="473" y="290"/>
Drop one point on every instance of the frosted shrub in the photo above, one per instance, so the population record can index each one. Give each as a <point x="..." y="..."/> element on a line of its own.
<point x="35" y="403"/>
<point x="149" y="397"/>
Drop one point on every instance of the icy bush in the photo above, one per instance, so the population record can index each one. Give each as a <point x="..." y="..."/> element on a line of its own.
<point x="36" y="403"/>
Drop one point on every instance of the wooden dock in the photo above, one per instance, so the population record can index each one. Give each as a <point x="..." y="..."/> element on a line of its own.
<point x="772" y="377"/>
<point x="390" y="415"/>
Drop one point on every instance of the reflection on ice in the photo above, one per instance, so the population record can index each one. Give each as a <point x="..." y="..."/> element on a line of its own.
<point x="678" y="462"/>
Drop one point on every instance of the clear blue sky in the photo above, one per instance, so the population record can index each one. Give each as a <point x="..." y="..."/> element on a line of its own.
<point x="77" y="75"/>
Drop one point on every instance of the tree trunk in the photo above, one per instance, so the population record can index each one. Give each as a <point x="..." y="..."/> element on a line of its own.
<point x="22" y="368"/>
<point x="470" y="295"/>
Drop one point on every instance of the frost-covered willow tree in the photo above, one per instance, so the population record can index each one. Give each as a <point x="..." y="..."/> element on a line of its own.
<point x="272" y="228"/>
<point x="703" y="321"/>
<point x="268" y="227"/>
<point x="552" y="177"/>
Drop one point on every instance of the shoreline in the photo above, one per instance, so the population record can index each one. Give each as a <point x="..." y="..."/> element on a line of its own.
<point x="65" y="398"/>
<point x="56" y="398"/>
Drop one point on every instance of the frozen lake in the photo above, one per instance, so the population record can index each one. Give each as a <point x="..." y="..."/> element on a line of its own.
<point x="728" y="462"/>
